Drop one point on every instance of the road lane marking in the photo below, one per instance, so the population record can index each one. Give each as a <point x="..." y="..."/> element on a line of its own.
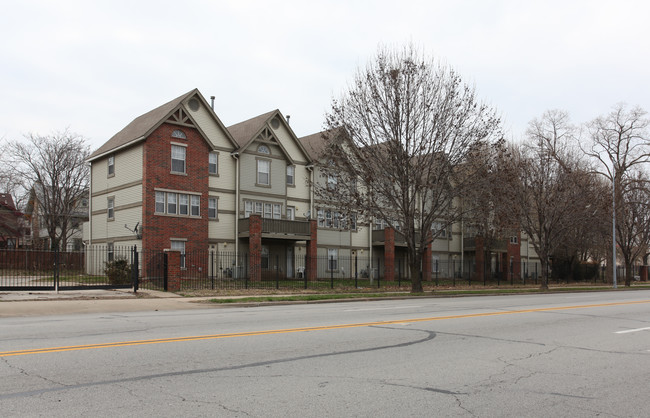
<point x="382" y="309"/>
<point x="632" y="330"/>
<point x="306" y="329"/>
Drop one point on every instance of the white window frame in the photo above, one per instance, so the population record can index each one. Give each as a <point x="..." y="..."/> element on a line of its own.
<point x="111" y="165"/>
<point x="183" y="204"/>
<point x="263" y="173"/>
<point x="213" y="208"/>
<point x="291" y="175"/>
<point x="514" y="240"/>
<point x="179" y="154"/>
<point x="110" y="208"/>
<point x="195" y="205"/>
<point x="213" y="163"/>
<point x="248" y="208"/>
<point x="172" y="199"/>
<point x="332" y="181"/>
<point x="268" y="211"/>
<point x="291" y="213"/>
<point x="277" y="211"/>
<point x="332" y="259"/>
<point x="160" y="200"/>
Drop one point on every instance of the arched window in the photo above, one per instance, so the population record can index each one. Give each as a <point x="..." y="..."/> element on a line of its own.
<point x="263" y="149"/>
<point x="179" y="134"/>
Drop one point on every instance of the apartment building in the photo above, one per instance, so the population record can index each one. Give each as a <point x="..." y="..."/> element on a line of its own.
<point x="177" y="178"/>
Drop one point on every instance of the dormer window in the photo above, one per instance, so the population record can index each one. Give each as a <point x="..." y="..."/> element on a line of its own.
<point x="263" y="149"/>
<point x="179" y="134"/>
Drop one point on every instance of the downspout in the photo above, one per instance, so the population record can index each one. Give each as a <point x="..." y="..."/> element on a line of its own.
<point x="235" y="155"/>
<point x="90" y="207"/>
<point x="310" y="167"/>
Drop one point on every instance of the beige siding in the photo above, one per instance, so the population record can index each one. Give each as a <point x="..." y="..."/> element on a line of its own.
<point x="290" y="145"/>
<point x="104" y="229"/>
<point x="223" y="229"/>
<point x="211" y="129"/>
<point x="249" y="175"/>
<point x="333" y="238"/>
<point x="301" y="189"/>
<point x="227" y="171"/>
<point x="128" y="169"/>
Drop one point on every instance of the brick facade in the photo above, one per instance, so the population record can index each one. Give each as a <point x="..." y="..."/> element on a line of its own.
<point x="159" y="229"/>
<point x="389" y="254"/>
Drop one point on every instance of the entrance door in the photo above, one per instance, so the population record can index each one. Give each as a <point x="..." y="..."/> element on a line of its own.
<point x="289" y="261"/>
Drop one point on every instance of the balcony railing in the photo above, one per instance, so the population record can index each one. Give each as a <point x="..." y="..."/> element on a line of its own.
<point x="279" y="227"/>
<point x="379" y="237"/>
<point x="499" y="245"/>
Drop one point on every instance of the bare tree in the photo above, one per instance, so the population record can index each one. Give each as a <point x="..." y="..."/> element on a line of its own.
<point x="399" y="136"/>
<point x="621" y="148"/>
<point x="549" y="192"/>
<point x="54" y="172"/>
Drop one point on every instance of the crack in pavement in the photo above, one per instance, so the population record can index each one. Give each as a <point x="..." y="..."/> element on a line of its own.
<point x="430" y="335"/>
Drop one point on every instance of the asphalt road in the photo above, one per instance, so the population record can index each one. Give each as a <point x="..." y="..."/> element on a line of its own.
<point x="575" y="355"/>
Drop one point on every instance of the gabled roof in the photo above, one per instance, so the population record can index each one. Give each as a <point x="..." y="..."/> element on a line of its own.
<point x="144" y="125"/>
<point x="140" y="127"/>
<point x="247" y="131"/>
<point x="316" y="144"/>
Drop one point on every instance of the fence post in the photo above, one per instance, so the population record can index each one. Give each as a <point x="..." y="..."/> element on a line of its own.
<point x="399" y="272"/>
<point x="212" y="269"/>
<point x="304" y="272"/>
<point x="378" y="272"/>
<point x="56" y="269"/>
<point x="165" y="276"/>
<point x="277" y="272"/>
<point x="453" y="272"/>
<point x="356" y="276"/>
<point x="331" y="265"/>
<point x="135" y="273"/>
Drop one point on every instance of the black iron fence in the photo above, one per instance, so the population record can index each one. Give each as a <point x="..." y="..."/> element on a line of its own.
<point x="125" y="267"/>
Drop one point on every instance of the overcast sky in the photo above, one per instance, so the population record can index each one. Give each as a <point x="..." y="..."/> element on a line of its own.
<point x="94" y="66"/>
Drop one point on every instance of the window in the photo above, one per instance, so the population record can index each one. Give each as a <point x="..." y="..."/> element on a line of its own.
<point x="328" y="219"/>
<point x="291" y="174"/>
<point x="177" y="245"/>
<point x="183" y="205"/>
<point x="111" y="165"/>
<point x="291" y="213"/>
<point x="437" y="226"/>
<point x="513" y="240"/>
<point x="213" y="165"/>
<point x="179" y="134"/>
<point x="321" y="218"/>
<point x="277" y="211"/>
<point x="212" y="207"/>
<point x="248" y="208"/>
<point x="263" y="149"/>
<point x="196" y="205"/>
<point x="110" y="251"/>
<point x="263" y="172"/>
<point x="111" y="208"/>
<point x="353" y="221"/>
<point x="337" y="217"/>
<point x="258" y="208"/>
<point x="171" y="203"/>
<point x="331" y="181"/>
<point x="332" y="258"/>
<point x="178" y="159"/>
<point x="160" y="202"/>
<point x="267" y="210"/>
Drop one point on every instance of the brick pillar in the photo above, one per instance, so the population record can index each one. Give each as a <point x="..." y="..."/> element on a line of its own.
<point x="480" y="258"/>
<point x="255" y="247"/>
<point x="426" y="262"/>
<point x="311" y="263"/>
<point x="389" y="254"/>
<point x="173" y="270"/>
<point x="505" y="266"/>
<point x="643" y="274"/>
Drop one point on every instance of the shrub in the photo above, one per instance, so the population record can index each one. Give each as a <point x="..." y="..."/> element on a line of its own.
<point x="118" y="271"/>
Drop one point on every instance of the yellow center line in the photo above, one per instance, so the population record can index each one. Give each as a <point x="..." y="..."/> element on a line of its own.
<point x="290" y="330"/>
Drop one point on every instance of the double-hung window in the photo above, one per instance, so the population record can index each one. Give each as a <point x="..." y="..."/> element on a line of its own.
<point x="212" y="207"/>
<point x="213" y="164"/>
<point x="196" y="205"/>
<point x="178" y="159"/>
<point x="111" y="208"/>
<point x="111" y="165"/>
<point x="171" y="203"/>
<point x="277" y="211"/>
<point x="332" y="258"/>
<point x="268" y="210"/>
<point x="160" y="202"/>
<point x="183" y="206"/>
<point x="264" y="172"/>
<point x="248" y="208"/>
<point x="291" y="175"/>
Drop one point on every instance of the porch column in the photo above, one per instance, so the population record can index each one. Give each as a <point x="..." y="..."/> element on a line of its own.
<point x="312" y="251"/>
<point x="389" y="254"/>
<point x="255" y="247"/>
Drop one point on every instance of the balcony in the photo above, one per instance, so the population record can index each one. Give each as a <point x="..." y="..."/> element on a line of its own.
<point x="496" y="245"/>
<point x="379" y="238"/>
<point x="278" y="229"/>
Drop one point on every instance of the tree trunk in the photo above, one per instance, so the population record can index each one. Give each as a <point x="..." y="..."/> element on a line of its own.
<point x="629" y="272"/>
<point x="416" y="278"/>
<point x="544" y="264"/>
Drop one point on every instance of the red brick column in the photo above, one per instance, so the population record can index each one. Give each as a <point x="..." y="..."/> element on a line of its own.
<point x="426" y="262"/>
<point x="312" y="251"/>
<point x="643" y="274"/>
<point x="480" y="258"/>
<point x="514" y="251"/>
<point x="389" y="254"/>
<point x="173" y="270"/>
<point x="255" y="247"/>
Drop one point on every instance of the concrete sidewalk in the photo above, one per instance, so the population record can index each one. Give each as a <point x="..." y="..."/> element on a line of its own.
<point x="37" y="303"/>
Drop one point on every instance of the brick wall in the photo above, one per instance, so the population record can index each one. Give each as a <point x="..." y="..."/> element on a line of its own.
<point x="158" y="229"/>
